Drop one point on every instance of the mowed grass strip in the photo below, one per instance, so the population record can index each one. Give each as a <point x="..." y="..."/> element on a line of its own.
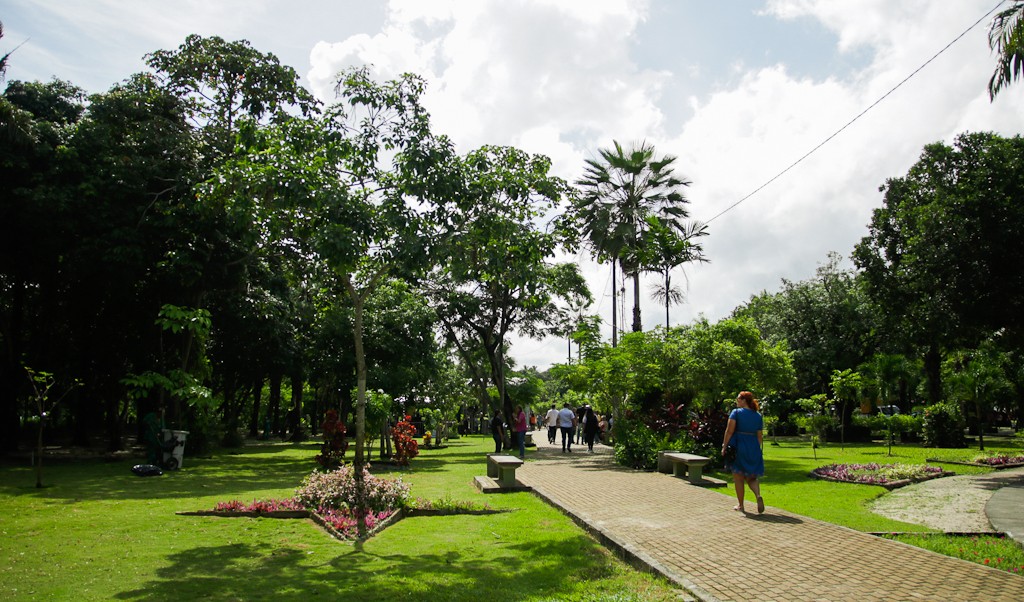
<point x="787" y="485"/>
<point x="97" y="532"/>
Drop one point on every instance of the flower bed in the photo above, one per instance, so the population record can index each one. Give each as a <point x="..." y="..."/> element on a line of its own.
<point x="890" y="476"/>
<point x="996" y="461"/>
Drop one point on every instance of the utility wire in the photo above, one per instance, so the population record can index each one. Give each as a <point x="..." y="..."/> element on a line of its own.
<point x="861" y="114"/>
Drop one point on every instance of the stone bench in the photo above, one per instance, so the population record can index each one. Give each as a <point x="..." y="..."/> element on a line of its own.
<point x="689" y="465"/>
<point x="502" y="468"/>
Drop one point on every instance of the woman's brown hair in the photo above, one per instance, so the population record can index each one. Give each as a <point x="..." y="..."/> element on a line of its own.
<point x="748" y="397"/>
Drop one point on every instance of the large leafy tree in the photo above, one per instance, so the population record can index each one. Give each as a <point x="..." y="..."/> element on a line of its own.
<point x="499" y="276"/>
<point x="826" y="322"/>
<point x="942" y="258"/>
<point x="619" y="193"/>
<point x="1006" y="39"/>
<point x="36" y="121"/>
<point x="357" y="189"/>
<point x="223" y="82"/>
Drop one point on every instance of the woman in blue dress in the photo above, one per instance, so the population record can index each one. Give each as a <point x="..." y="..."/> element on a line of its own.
<point x="744" y="432"/>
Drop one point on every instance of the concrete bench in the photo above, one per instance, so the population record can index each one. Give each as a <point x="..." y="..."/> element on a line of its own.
<point x="689" y="465"/>
<point x="502" y="468"/>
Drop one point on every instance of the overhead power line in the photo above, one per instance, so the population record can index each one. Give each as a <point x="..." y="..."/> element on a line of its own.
<point x="861" y="114"/>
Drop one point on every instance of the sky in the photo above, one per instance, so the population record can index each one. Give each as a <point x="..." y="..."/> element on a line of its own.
<point x="738" y="91"/>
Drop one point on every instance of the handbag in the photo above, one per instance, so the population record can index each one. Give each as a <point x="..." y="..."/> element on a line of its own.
<point x="729" y="455"/>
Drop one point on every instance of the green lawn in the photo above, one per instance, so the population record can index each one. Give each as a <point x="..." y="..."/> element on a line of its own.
<point x="97" y="532"/>
<point x="786" y="483"/>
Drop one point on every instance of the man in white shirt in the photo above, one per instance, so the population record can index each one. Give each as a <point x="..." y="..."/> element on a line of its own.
<point x="567" y="423"/>
<point x="551" y="421"/>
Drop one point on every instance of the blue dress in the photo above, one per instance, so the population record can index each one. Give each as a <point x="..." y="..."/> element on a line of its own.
<point x="749" y="460"/>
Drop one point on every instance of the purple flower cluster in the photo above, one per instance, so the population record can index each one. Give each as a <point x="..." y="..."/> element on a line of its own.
<point x="259" y="506"/>
<point x="337" y="489"/>
<point x="344" y="521"/>
<point x="875" y="474"/>
<point x="999" y="460"/>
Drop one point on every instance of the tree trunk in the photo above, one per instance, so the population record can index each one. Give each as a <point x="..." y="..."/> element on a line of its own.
<point x="274" y="404"/>
<point x="254" y="415"/>
<point x="933" y="372"/>
<point x="637" y="325"/>
<point x="615" y="320"/>
<point x="668" y="299"/>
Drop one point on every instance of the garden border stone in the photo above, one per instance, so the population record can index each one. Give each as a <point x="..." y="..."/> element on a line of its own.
<point x="889" y="485"/>
<point x="978" y="464"/>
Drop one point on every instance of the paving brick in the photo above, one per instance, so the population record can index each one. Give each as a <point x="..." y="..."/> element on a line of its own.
<point x="692" y="536"/>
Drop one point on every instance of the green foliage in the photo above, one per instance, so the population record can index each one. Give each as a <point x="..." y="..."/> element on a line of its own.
<point x="826" y="322"/>
<point x="1006" y="39"/>
<point x="990" y="550"/>
<point x="938" y="256"/>
<point x="636" y="445"/>
<point x="943" y="425"/>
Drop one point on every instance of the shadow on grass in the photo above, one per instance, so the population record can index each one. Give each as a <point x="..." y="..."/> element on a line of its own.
<point x="250" y="572"/>
<point x="227" y="475"/>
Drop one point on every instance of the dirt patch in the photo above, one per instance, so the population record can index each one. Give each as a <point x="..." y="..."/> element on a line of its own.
<point x="951" y="504"/>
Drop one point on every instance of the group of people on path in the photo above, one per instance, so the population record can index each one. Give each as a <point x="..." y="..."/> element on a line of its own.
<point x="582" y="424"/>
<point x="741" y="445"/>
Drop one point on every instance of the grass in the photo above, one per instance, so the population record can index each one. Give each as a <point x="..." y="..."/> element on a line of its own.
<point x="97" y="532"/>
<point x="997" y="552"/>
<point x="786" y="485"/>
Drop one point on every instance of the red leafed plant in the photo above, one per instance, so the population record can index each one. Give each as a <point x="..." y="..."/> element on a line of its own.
<point x="332" y="452"/>
<point x="403" y="434"/>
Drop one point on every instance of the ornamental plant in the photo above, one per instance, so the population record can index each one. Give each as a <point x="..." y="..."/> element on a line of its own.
<point x="332" y="452"/>
<point x="337" y="490"/>
<point x="943" y="426"/>
<point x="999" y="459"/>
<point x="876" y="474"/>
<point x="259" y="506"/>
<point x="404" y="436"/>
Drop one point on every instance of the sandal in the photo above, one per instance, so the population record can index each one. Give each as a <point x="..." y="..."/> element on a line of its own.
<point x="760" y="505"/>
<point x="739" y="508"/>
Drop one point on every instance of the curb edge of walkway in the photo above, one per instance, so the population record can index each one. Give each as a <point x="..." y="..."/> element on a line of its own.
<point x="634" y="557"/>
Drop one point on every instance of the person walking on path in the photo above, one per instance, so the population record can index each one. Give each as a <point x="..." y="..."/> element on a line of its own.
<point x="567" y="423"/>
<point x="590" y="428"/>
<point x="497" y="428"/>
<point x="744" y="433"/>
<point x="551" y="421"/>
<point x="520" y="430"/>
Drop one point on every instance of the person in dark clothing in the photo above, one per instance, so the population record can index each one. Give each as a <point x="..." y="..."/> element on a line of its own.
<point x="590" y="428"/>
<point x="497" y="431"/>
<point x="580" y="413"/>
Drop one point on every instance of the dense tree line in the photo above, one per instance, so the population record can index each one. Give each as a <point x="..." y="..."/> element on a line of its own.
<point x="209" y="238"/>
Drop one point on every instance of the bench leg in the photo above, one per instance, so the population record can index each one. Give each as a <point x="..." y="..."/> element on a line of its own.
<point x="695" y="474"/>
<point x="678" y="469"/>
<point x="492" y="470"/>
<point x="508" y="477"/>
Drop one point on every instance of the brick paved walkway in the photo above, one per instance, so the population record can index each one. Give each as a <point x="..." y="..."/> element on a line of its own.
<point x="692" y="536"/>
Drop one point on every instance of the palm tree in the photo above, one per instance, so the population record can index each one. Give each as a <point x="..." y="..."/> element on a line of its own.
<point x="619" y="193"/>
<point x="1006" y="37"/>
<point x="667" y="249"/>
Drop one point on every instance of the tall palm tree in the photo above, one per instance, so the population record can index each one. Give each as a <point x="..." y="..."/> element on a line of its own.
<point x="667" y="249"/>
<point x="1006" y="37"/>
<point x="619" y="192"/>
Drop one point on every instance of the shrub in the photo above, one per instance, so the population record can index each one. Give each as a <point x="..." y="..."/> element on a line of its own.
<point x="404" y="436"/>
<point x="636" y="445"/>
<point x="943" y="426"/>
<point x="332" y="452"/>
<point x="707" y="430"/>
<point x="336" y="489"/>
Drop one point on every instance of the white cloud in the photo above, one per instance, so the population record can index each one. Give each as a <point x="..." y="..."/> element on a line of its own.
<point x="561" y="79"/>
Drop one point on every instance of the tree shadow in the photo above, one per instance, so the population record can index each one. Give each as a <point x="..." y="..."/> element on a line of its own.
<point x="252" y="572"/>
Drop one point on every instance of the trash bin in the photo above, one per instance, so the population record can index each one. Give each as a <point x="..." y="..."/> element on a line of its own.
<point x="174" y="448"/>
